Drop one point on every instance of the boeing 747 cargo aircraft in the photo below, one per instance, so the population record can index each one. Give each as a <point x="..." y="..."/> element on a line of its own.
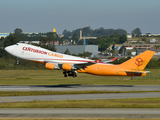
<point x="71" y="64"/>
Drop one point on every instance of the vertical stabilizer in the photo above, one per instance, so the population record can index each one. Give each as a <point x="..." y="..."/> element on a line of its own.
<point x="139" y="62"/>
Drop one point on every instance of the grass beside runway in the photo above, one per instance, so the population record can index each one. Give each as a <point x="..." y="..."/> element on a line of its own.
<point x="111" y="103"/>
<point x="55" y="77"/>
<point x="32" y="93"/>
<point x="76" y="119"/>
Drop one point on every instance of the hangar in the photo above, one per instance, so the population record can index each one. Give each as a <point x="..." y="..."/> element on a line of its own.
<point x="76" y="49"/>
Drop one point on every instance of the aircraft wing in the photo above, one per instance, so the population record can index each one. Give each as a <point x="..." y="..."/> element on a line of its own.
<point x="110" y="60"/>
<point x="76" y="66"/>
<point x="83" y="65"/>
<point x="105" y="61"/>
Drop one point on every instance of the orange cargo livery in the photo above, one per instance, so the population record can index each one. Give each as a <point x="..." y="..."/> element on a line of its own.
<point x="132" y="67"/>
<point x="71" y="64"/>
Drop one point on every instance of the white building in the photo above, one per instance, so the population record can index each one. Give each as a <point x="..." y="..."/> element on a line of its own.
<point x="153" y="40"/>
<point x="129" y="36"/>
<point x="76" y="49"/>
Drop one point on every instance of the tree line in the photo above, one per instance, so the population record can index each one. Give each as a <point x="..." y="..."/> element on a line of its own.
<point x="88" y="32"/>
<point x="47" y="39"/>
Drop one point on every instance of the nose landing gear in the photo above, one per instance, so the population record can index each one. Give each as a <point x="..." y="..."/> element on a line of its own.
<point x="17" y="61"/>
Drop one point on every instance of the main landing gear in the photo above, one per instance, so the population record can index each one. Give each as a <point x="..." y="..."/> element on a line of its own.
<point x="69" y="73"/>
<point x="17" y="61"/>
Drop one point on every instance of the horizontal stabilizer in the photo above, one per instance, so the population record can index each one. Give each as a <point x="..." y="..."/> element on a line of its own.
<point x="136" y="72"/>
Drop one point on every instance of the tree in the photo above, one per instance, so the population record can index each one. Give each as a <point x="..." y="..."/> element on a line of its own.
<point x="103" y="44"/>
<point x="52" y="34"/>
<point x="10" y="40"/>
<point x="137" y="31"/>
<point x="18" y="31"/>
<point x="145" y="40"/>
<point x="67" y="33"/>
<point x="1" y="41"/>
<point x="87" y="54"/>
<point x="122" y="39"/>
<point x="67" y="52"/>
<point x="48" y="43"/>
<point x="87" y="31"/>
<point x="113" y="48"/>
<point x="75" y="37"/>
<point x="122" y="50"/>
<point x="2" y="53"/>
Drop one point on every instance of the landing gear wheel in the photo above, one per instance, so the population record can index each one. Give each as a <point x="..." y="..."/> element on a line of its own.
<point x="64" y="72"/>
<point x="74" y="75"/>
<point x="65" y="75"/>
<point x="70" y="73"/>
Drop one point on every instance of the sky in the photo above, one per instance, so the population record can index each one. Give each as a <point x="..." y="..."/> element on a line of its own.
<point x="43" y="15"/>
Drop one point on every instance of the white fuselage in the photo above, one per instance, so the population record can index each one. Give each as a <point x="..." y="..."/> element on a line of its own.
<point x="34" y="53"/>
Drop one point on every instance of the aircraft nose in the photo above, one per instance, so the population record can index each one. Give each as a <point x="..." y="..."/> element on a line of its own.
<point x="9" y="49"/>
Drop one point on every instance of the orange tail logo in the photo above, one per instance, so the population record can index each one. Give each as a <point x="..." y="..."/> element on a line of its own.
<point x="139" y="62"/>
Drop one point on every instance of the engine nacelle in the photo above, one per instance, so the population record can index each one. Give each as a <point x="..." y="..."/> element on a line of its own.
<point x="51" y="66"/>
<point x="68" y="67"/>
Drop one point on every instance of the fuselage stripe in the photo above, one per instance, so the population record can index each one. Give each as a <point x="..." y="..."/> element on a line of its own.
<point x="60" y="59"/>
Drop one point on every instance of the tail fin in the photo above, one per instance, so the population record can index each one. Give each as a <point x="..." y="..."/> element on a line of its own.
<point x="139" y="62"/>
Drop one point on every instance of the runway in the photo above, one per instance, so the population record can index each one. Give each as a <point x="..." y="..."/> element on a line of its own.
<point x="81" y="113"/>
<point x="79" y="87"/>
<point x="79" y="97"/>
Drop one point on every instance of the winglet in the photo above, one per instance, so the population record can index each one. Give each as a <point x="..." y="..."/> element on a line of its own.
<point x="105" y="61"/>
<point x="98" y="61"/>
<point x="113" y="59"/>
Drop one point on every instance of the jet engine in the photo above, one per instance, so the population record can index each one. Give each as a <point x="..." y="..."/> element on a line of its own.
<point x="51" y="66"/>
<point x="68" y="67"/>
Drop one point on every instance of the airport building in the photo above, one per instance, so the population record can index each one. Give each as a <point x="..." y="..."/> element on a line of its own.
<point x="76" y="49"/>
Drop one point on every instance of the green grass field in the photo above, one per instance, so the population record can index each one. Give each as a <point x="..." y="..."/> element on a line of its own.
<point x="32" y="93"/>
<point x="111" y="103"/>
<point x="55" y="77"/>
<point x="73" y="119"/>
